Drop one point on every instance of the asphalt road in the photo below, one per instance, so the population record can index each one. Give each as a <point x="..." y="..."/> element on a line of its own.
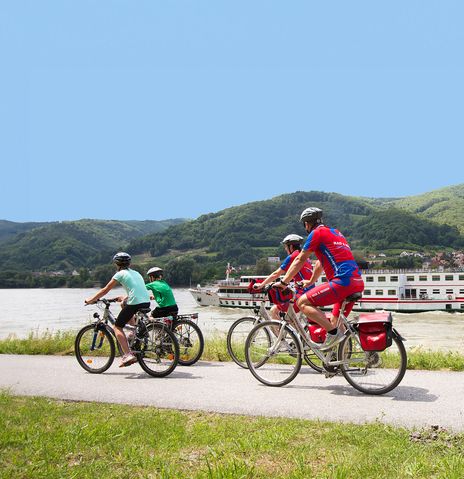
<point x="423" y="398"/>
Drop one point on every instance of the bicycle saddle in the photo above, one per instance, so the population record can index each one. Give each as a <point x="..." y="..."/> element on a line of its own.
<point x="144" y="310"/>
<point x="352" y="298"/>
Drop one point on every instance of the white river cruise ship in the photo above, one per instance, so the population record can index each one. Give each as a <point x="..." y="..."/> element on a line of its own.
<point x="392" y="290"/>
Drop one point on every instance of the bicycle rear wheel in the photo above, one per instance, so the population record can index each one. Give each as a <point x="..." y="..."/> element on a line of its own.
<point x="271" y="363"/>
<point x="236" y="338"/>
<point x="372" y="372"/>
<point x="313" y="361"/>
<point x="190" y="339"/>
<point x="94" y="348"/>
<point x="158" y="351"/>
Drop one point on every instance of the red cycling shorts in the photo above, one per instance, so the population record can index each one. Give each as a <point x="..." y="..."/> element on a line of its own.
<point x="334" y="292"/>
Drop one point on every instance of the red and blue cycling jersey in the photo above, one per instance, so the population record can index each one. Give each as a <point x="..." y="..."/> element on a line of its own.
<point x="334" y="253"/>
<point x="305" y="272"/>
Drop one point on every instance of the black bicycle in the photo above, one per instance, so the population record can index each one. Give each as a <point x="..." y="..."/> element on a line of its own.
<point x="154" y="344"/>
<point x="188" y="335"/>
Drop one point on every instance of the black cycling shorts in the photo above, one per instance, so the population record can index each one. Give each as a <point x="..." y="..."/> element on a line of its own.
<point x="127" y="312"/>
<point x="167" y="311"/>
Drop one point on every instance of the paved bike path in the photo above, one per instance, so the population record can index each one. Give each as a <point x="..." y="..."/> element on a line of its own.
<point x="423" y="398"/>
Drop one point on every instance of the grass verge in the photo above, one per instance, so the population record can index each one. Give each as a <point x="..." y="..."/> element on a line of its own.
<point x="62" y="343"/>
<point x="42" y="438"/>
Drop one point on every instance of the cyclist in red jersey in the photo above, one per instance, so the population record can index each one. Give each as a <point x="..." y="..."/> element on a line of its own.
<point x="336" y="260"/>
<point x="292" y="245"/>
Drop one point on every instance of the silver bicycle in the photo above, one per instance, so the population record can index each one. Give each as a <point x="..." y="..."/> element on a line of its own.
<point x="276" y="359"/>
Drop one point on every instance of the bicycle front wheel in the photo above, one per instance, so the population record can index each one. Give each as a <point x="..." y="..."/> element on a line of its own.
<point x="158" y="352"/>
<point x="372" y="372"/>
<point x="94" y="348"/>
<point x="190" y="339"/>
<point x="236" y="338"/>
<point x="313" y="360"/>
<point x="271" y="361"/>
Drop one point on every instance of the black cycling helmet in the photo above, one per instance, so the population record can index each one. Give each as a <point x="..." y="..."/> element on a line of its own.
<point x="122" y="259"/>
<point x="311" y="215"/>
<point x="292" y="239"/>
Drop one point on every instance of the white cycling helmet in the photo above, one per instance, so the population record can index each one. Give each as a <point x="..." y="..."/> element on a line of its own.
<point x="154" y="271"/>
<point x="292" y="239"/>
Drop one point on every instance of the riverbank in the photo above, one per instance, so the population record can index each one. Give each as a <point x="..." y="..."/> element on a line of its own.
<point x="62" y="344"/>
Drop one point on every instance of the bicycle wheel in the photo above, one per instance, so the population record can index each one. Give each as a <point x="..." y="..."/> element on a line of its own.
<point x="312" y="360"/>
<point x="94" y="348"/>
<point x="372" y="372"/>
<point x="158" y="351"/>
<point x="190" y="339"/>
<point x="236" y="338"/>
<point x="271" y="363"/>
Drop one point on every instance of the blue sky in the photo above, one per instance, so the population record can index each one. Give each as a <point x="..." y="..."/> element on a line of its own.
<point x="156" y="109"/>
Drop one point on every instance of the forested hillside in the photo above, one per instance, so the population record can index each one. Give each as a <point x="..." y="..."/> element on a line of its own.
<point x="72" y="244"/>
<point x="445" y="206"/>
<point x="246" y="233"/>
<point x="9" y="229"/>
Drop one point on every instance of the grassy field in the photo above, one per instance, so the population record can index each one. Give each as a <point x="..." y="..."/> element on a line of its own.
<point x="62" y="343"/>
<point x="41" y="438"/>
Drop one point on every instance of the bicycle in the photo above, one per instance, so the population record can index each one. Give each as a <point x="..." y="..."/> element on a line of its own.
<point x="368" y="366"/>
<point x="154" y="345"/>
<point x="241" y="328"/>
<point x="189" y="336"/>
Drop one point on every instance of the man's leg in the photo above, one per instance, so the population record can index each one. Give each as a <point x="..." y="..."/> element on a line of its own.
<point x="314" y="313"/>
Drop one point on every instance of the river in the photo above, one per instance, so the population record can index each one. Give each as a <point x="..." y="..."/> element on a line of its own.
<point x="38" y="310"/>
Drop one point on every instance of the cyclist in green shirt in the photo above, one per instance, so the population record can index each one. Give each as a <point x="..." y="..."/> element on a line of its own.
<point x="162" y="293"/>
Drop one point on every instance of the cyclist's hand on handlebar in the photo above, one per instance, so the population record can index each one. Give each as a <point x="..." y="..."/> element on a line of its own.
<point x="89" y="301"/>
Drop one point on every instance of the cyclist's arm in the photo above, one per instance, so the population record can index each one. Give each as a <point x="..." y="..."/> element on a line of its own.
<point x="296" y="266"/>
<point x="276" y="274"/>
<point x="111" y="284"/>
<point x="317" y="271"/>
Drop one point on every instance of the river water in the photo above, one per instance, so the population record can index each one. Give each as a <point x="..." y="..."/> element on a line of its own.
<point x="38" y="310"/>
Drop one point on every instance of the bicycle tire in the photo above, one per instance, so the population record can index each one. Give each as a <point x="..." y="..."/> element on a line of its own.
<point x="186" y="331"/>
<point x="236" y="339"/>
<point x="374" y="378"/>
<point x="158" y="351"/>
<point x="94" y="348"/>
<point x="284" y="362"/>
<point x="313" y="361"/>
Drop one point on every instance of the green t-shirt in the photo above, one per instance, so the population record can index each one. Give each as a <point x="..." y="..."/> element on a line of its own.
<point x="162" y="292"/>
<point x="134" y="285"/>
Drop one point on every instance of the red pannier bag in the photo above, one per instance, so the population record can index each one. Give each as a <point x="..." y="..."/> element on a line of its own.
<point x="375" y="331"/>
<point x="317" y="332"/>
<point x="250" y="286"/>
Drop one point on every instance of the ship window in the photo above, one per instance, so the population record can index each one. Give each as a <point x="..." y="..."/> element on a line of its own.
<point x="410" y="293"/>
<point x="367" y="292"/>
<point x="246" y="302"/>
<point x="422" y="278"/>
<point x="461" y="291"/>
<point x="461" y="277"/>
<point x="448" y="306"/>
<point x="462" y="306"/>
<point x="449" y="291"/>
<point x="382" y="279"/>
<point x="232" y="302"/>
<point x="379" y="292"/>
<point x="369" y="279"/>
<point x="393" y="279"/>
<point x="449" y="277"/>
<point x="409" y="278"/>
<point x="227" y="302"/>
<point x="240" y="303"/>
<point x="436" y="291"/>
<point x="436" y="277"/>
<point x="391" y="292"/>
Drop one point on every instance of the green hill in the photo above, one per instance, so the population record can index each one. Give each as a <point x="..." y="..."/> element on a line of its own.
<point x="246" y="233"/>
<point x="444" y="206"/>
<point x="71" y="244"/>
<point x="9" y="229"/>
